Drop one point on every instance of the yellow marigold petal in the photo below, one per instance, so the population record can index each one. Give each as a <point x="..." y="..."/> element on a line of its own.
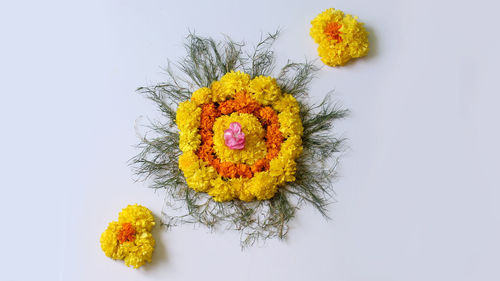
<point x="188" y="120"/>
<point x="139" y="216"/>
<point x="202" y="96"/>
<point x="189" y="140"/>
<point x="221" y="190"/>
<point x="188" y="116"/>
<point x="263" y="186"/>
<point x="231" y="83"/>
<point x="109" y="240"/>
<point x="292" y="147"/>
<point x="188" y="161"/>
<point x="290" y="124"/>
<point x="142" y="251"/>
<point x="201" y="178"/>
<point x="321" y="21"/>
<point x="197" y="173"/>
<point x="282" y="169"/>
<point x="125" y="249"/>
<point x="287" y="103"/>
<point x="264" y="89"/>
<point x="239" y="189"/>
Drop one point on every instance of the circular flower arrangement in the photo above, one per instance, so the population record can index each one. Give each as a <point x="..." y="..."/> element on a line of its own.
<point x="340" y="37"/>
<point x="130" y="237"/>
<point x="270" y="141"/>
<point x="236" y="147"/>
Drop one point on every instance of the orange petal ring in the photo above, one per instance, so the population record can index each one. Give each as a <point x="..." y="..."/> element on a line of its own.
<point x="242" y="103"/>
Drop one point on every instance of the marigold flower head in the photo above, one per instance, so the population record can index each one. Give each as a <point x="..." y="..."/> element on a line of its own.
<point x="130" y="237"/>
<point x="340" y="37"/>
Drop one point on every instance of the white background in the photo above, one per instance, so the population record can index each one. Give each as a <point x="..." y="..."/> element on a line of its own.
<point x="418" y="189"/>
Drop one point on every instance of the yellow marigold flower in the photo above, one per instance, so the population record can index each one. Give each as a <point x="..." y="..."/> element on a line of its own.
<point x="290" y="124"/>
<point x="202" y="96"/>
<point x="283" y="169"/>
<point x="188" y="121"/>
<point x="201" y="179"/>
<point x="263" y="186"/>
<point x="229" y="84"/>
<point x="255" y="146"/>
<point x="239" y="190"/>
<point x="287" y="103"/>
<point x="189" y="140"/>
<point x="188" y="116"/>
<point x="130" y="237"/>
<point x="221" y="190"/>
<point x="198" y="174"/>
<point x="292" y="147"/>
<point x="187" y="161"/>
<point x="340" y="37"/>
<point x="264" y="89"/>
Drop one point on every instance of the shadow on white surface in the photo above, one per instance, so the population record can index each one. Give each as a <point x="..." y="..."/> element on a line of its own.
<point x="160" y="254"/>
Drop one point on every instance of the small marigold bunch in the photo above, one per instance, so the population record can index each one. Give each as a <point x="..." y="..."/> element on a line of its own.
<point x="130" y="237"/>
<point x="340" y="37"/>
<point x="272" y="127"/>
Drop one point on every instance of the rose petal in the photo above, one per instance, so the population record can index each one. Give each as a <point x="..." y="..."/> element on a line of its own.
<point x="234" y="138"/>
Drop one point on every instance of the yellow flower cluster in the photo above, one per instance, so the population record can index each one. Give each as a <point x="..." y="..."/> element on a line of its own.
<point x="229" y="84"/>
<point x="255" y="146"/>
<point x="189" y="113"/>
<point x="130" y="237"/>
<point x="265" y="90"/>
<point x="340" y="37"/>
<point x="203" y="177"/>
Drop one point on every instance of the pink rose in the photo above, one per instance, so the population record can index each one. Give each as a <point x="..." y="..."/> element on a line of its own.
<point x="234" y="138"/>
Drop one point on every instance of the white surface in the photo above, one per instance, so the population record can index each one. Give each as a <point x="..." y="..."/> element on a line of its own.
<point x="419" y="188"/>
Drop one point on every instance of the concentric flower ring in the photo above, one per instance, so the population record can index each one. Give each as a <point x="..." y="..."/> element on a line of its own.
<point x="271" y="123"/>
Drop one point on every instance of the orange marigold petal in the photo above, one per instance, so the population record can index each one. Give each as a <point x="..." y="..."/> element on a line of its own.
<point x="126" y="233"/>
